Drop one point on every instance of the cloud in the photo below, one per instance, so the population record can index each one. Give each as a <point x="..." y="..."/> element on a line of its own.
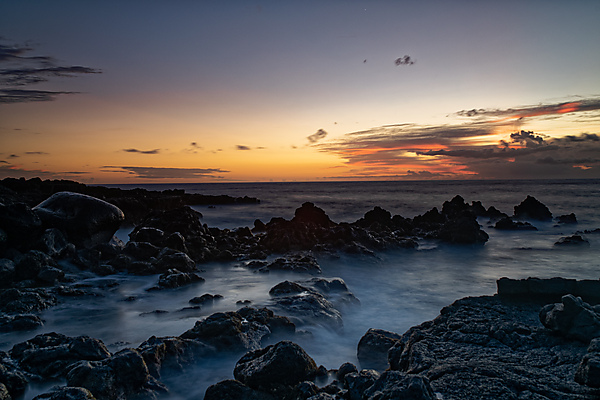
<point x="166" y="173"/>
<point x="318" y="135"/>
<point x="24" y="70"/>
<point x="37" y="153"/>
<point x="15" y="171"/>
<point x="473" y="148"/>
<point x="242" y="147"/>
<point x="592" y="104"/>
<point x="406" y="60"/>
<point x="154" y="151"/>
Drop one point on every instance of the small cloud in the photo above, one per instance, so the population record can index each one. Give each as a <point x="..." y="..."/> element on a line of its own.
<point x="4" y="162"/>
<point x="318" y="135"/>
<point x="166" y="173"/>
<point x="13" y="156"/>
<point x="155" y="151"/>
<point x="406" y="60"/>
<point x="37" y="153"/>
<point x="242" y="147"/>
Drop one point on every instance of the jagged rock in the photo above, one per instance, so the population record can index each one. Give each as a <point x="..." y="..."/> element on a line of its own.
<point x="507" y="224"/>
<point x="172" y="353"/>
<point x="86" y="221"/>
<point x="489" y="348"/>
<point x="567" y="219"/>
<point x="531" y="208"/>
<point x="358" y="382"/>
<point x="239" y="331"/>
<point x="13" y="379"/>
<point x="31" y="264"/>
<point x="309" y="214"/>
<point x="234" y="390"/>
<point x="22" y="301"/>
<point x="67" y="393"/>
<point x="588" y="371"/>
<point x="308" y="307"/>
<point x="21" y="225"/>
<point x="345" y="369"/>
<point x="174" y="279"/>
<point x="392" y="385"/>
<point x="171" y="259"/>
<point x="206" y="298"/>
<point x="301" y="262"/>
<point x="19" y="322"/>
<point x="54" y="243"/>
<point x="572" y="318"/>
<point x="275" y="368"/>
<point x="575" y="240"/>
<point x="147" y="234"/>
<point x="49" y="355"/>
<point x="373" y="347"/>
<point x="124" y="375"/>
<point x="7" y="272"/>
<point x="463" y="229"/>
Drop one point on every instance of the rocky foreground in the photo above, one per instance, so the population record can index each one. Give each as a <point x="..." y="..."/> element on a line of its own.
<point x="533" y="340"/>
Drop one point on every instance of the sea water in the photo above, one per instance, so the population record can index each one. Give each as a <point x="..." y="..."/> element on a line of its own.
<point x="397" y="289"/>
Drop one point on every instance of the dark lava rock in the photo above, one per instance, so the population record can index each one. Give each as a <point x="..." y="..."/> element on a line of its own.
<point x="122" y="376"/>
<point x="531" y="208"/>
<point x="489" y="348"/>
<point x="373" y="347"/>
<point x="546" y="290"/>
<point x="86" y="221"/>
<point x="345" y="369"/>
<point x="572" y="318"/>
<point x="358" y="382"/>
<point x="174" y="279"/>
<point x="298" y="262"/>
<point x="172" y="354"/>
<point x="206" y="299"/>
<point x="309" y="214"/>
<point x="234" y="390"/>
<point x="22" y="301"/>
<point x="20" y="224"/>
<point x="49" y="355"/>
<point x="275" y="368"/>
<point x="19" y="322"/>
<point x="239" y="331"/>
<point x="575" y="240"/>
<point x="507" y="224"/>
<point x="567" y="219"/>
<point x="67" y="393"/>
<point x="392" y="385"/>
<point x="588" y="372"/>
<point x="463" y="229"/>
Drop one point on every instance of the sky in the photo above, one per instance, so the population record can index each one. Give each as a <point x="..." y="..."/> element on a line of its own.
<point x="251" y="91"/>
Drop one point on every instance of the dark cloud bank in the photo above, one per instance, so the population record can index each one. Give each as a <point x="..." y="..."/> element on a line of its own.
<point x="20" y="70"/>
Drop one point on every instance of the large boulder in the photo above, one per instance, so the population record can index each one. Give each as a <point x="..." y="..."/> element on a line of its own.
<point x="20" y="224"/>
<point x="463" y="229"/>
<point x="86" y="221"/>
<point x="231" y="389"/>
<point x="393" y="385"/>
<point x="275" y="368"/>
<point x="49" y="355"/>
<point x="373" y="347"/>
<point x="572" y="318"/>
<point x="309" y="214"/>
<point x="531" y="208"/>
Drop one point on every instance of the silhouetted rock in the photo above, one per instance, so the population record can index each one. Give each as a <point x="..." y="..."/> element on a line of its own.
<point x="567" y="219"/>
<point x="174" y="278"/>
<point x="357" y="383"/>
<point x="575" y="240"/>
<point x="552" y="289"/>
<point x="66" y="393"/>
<point x="86" y="221"/>
<point x="572" y="318"/>
<point x="531" y="208"/>
<point x="275" y="368"/>
<point x="234" y="390"/>
<point x="309" y="214"/>
<point x="206" y="299"/>
<point x="507" y="224"/>
<point x="463" y="229"/>
<point x="21" y="225"/>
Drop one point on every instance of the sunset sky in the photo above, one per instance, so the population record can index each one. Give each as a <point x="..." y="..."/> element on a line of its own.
<point x="218" y="91"/>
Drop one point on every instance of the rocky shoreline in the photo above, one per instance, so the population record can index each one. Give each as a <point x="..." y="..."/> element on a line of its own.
<point x="535" y="339"/>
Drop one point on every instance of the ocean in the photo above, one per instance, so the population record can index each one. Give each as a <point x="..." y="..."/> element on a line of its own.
<point x="397" y="289"/>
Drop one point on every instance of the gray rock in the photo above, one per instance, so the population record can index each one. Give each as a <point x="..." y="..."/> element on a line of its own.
<point x="275" y="367"/>
<point x="234" y="390"/>
<point x="174" y="279"/>
<point x="358" y="382"/>
<point x="86" y="221"/>
<point x="393" y="385"/>
<point x="373" y="347"/>
<point x="67" y="393"/>
<point x="572" y="318"/>
<point x="588" y="371"/>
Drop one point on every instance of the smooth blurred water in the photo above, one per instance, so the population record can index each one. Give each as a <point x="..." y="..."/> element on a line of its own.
<point x="397" y="289"/>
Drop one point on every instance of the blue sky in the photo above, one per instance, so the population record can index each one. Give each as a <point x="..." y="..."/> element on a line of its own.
<point x="231" y="90"/>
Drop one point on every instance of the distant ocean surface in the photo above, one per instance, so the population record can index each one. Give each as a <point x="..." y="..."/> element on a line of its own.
<point x="397" y="289"/>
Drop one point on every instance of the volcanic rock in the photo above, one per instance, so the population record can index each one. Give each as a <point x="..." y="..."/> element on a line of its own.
<point x="531" y="208"/>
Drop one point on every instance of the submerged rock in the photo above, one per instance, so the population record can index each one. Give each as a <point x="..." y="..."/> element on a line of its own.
<point x="575" y="240"/>
<point x="507" y="224"/>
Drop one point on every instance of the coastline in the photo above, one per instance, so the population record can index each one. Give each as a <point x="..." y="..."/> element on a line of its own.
<point x="172" y="242"/>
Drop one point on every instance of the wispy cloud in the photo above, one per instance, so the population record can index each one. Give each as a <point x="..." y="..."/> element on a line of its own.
<point x="154" y="151"/>
<point x="474" y="148"/>
<point x="23" y="70"/>
<point x="166" y="173"/>
<point x="318" y="135"/>
<point x="242" y="147"/>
